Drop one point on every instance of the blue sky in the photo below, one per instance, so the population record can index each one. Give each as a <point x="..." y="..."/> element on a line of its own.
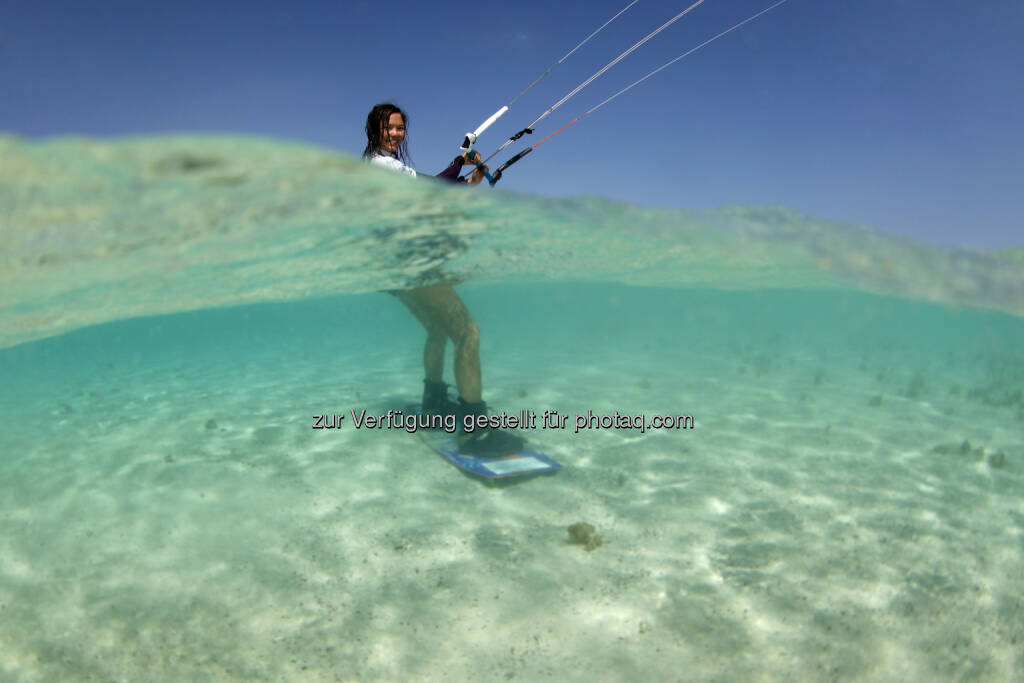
<point x="906" y="115"/>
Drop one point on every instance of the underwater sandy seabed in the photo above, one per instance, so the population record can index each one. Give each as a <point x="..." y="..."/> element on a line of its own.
<point x="848" y="507"/>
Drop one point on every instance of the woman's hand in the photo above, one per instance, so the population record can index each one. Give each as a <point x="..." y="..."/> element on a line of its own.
<point x="477" y="176"/>
<point x="473" y="157"/>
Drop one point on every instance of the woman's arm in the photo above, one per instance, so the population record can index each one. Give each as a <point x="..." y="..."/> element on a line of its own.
<point x="451" y="174"/>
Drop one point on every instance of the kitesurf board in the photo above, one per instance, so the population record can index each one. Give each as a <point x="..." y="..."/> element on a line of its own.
<point x="522" y="464"/>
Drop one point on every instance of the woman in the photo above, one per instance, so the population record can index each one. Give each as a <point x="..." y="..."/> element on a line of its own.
<point x="438" y="308"/>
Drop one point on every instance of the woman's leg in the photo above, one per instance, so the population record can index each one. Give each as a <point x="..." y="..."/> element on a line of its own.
<point x="437" y="339"/>
<point x="443" y="314"/>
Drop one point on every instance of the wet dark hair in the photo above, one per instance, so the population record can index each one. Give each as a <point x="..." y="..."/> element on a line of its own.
<point x="378" y="120"/>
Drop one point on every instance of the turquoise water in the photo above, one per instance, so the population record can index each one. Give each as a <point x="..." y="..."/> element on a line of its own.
<point x="175" y="311"/>
<point x="99" y="231"/>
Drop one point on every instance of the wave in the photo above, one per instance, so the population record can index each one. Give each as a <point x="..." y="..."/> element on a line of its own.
<point x="100" y="230"/>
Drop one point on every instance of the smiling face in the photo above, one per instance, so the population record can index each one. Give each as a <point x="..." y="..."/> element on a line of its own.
<point x="392" y="133"/>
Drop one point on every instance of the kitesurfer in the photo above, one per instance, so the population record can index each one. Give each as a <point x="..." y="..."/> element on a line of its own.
<point x="437" y="305"/>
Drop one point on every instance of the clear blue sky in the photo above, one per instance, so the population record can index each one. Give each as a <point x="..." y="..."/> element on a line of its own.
<point x="906" y="115"/>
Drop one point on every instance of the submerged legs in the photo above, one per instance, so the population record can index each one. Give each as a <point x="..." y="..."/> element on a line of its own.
<point x="444" y="316"/>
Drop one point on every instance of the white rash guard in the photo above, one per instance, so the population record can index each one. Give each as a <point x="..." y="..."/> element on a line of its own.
<point x="393" y="163"/>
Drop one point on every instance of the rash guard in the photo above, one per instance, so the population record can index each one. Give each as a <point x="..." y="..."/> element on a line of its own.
<point x="391" y="161"/>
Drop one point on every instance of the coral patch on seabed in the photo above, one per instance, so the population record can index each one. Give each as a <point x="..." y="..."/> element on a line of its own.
<point x="582" y="533"/>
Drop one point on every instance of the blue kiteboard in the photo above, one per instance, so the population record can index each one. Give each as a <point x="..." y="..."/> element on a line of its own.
<point x="523" y="463"/>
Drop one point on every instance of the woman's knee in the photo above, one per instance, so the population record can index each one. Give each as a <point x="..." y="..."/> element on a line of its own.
<point x="468" y="335"/>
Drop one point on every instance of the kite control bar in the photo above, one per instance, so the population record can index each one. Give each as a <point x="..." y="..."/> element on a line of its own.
<point x="467" y="144"/>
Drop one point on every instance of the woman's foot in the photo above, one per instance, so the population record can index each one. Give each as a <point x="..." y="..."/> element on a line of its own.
<point x="436" y="401"/>
<point x="490" y="443"/>
<point x="484" y="442"/>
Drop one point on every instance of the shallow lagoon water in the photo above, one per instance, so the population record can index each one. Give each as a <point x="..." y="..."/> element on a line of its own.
<point x="176" y="310"/>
